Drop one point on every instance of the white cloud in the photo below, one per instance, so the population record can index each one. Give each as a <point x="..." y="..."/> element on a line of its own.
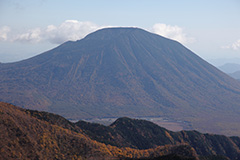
<point x="172" y="32"/>
<point x="75" y="30"/>
<point x="33" y="36"/>
<point x="68" y="30"/>
<point x="4" y="33"/>
<point x="234" y="46"/>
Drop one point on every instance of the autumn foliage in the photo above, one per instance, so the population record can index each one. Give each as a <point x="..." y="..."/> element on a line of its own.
<point x="23" y="136"/>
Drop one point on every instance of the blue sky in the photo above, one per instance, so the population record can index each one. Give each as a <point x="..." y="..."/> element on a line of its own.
<point x="211" y="29"/>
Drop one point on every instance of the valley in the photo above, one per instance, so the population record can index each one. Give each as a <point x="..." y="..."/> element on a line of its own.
<point x="169" y="124"/>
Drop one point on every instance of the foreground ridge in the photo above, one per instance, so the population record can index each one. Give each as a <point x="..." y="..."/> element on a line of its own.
<point x="25" y="137"/>
<point x="29" y="134"/>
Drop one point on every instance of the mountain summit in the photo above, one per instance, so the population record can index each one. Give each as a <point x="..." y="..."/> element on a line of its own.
<point x="117" y="72"/>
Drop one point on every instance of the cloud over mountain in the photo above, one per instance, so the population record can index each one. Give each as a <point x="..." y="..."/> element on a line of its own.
<point x="74" y="30"/>
<point x="68" y="30"/>
<point x="172" y="32"/>
<point x="32" y="35"/>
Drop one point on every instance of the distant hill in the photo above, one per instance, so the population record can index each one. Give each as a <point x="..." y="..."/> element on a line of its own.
<point x="29" y="134"/>
<point x="118" y="72"/>
<point x="235" y="75"/>
<point x="23" y="136"/>
<point x="221" y="61"/>
<point x="230" y="67"/>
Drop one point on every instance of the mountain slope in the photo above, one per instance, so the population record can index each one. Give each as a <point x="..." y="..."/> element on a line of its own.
<point x="141" y="134"/>
<point x="125" y="72"/>
<point x="24" y="137"/>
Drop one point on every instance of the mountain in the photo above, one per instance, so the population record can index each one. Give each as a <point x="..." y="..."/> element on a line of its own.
<point x="230" y="67"/>
<point x="143" y="134"/>
<point x="118" y="72"/>
<point x="29" y="134"/>
<point x="235" y="75"/>
<point x="221" y="61"/>
<point x="23" y="136"/>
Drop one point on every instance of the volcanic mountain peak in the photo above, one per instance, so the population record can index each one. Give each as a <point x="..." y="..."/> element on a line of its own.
<point x="112" y="33"/>
<point x="117" y="72"/>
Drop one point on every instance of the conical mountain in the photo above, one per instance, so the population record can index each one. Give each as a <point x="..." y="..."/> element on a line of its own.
<point x="117" y="72"/>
